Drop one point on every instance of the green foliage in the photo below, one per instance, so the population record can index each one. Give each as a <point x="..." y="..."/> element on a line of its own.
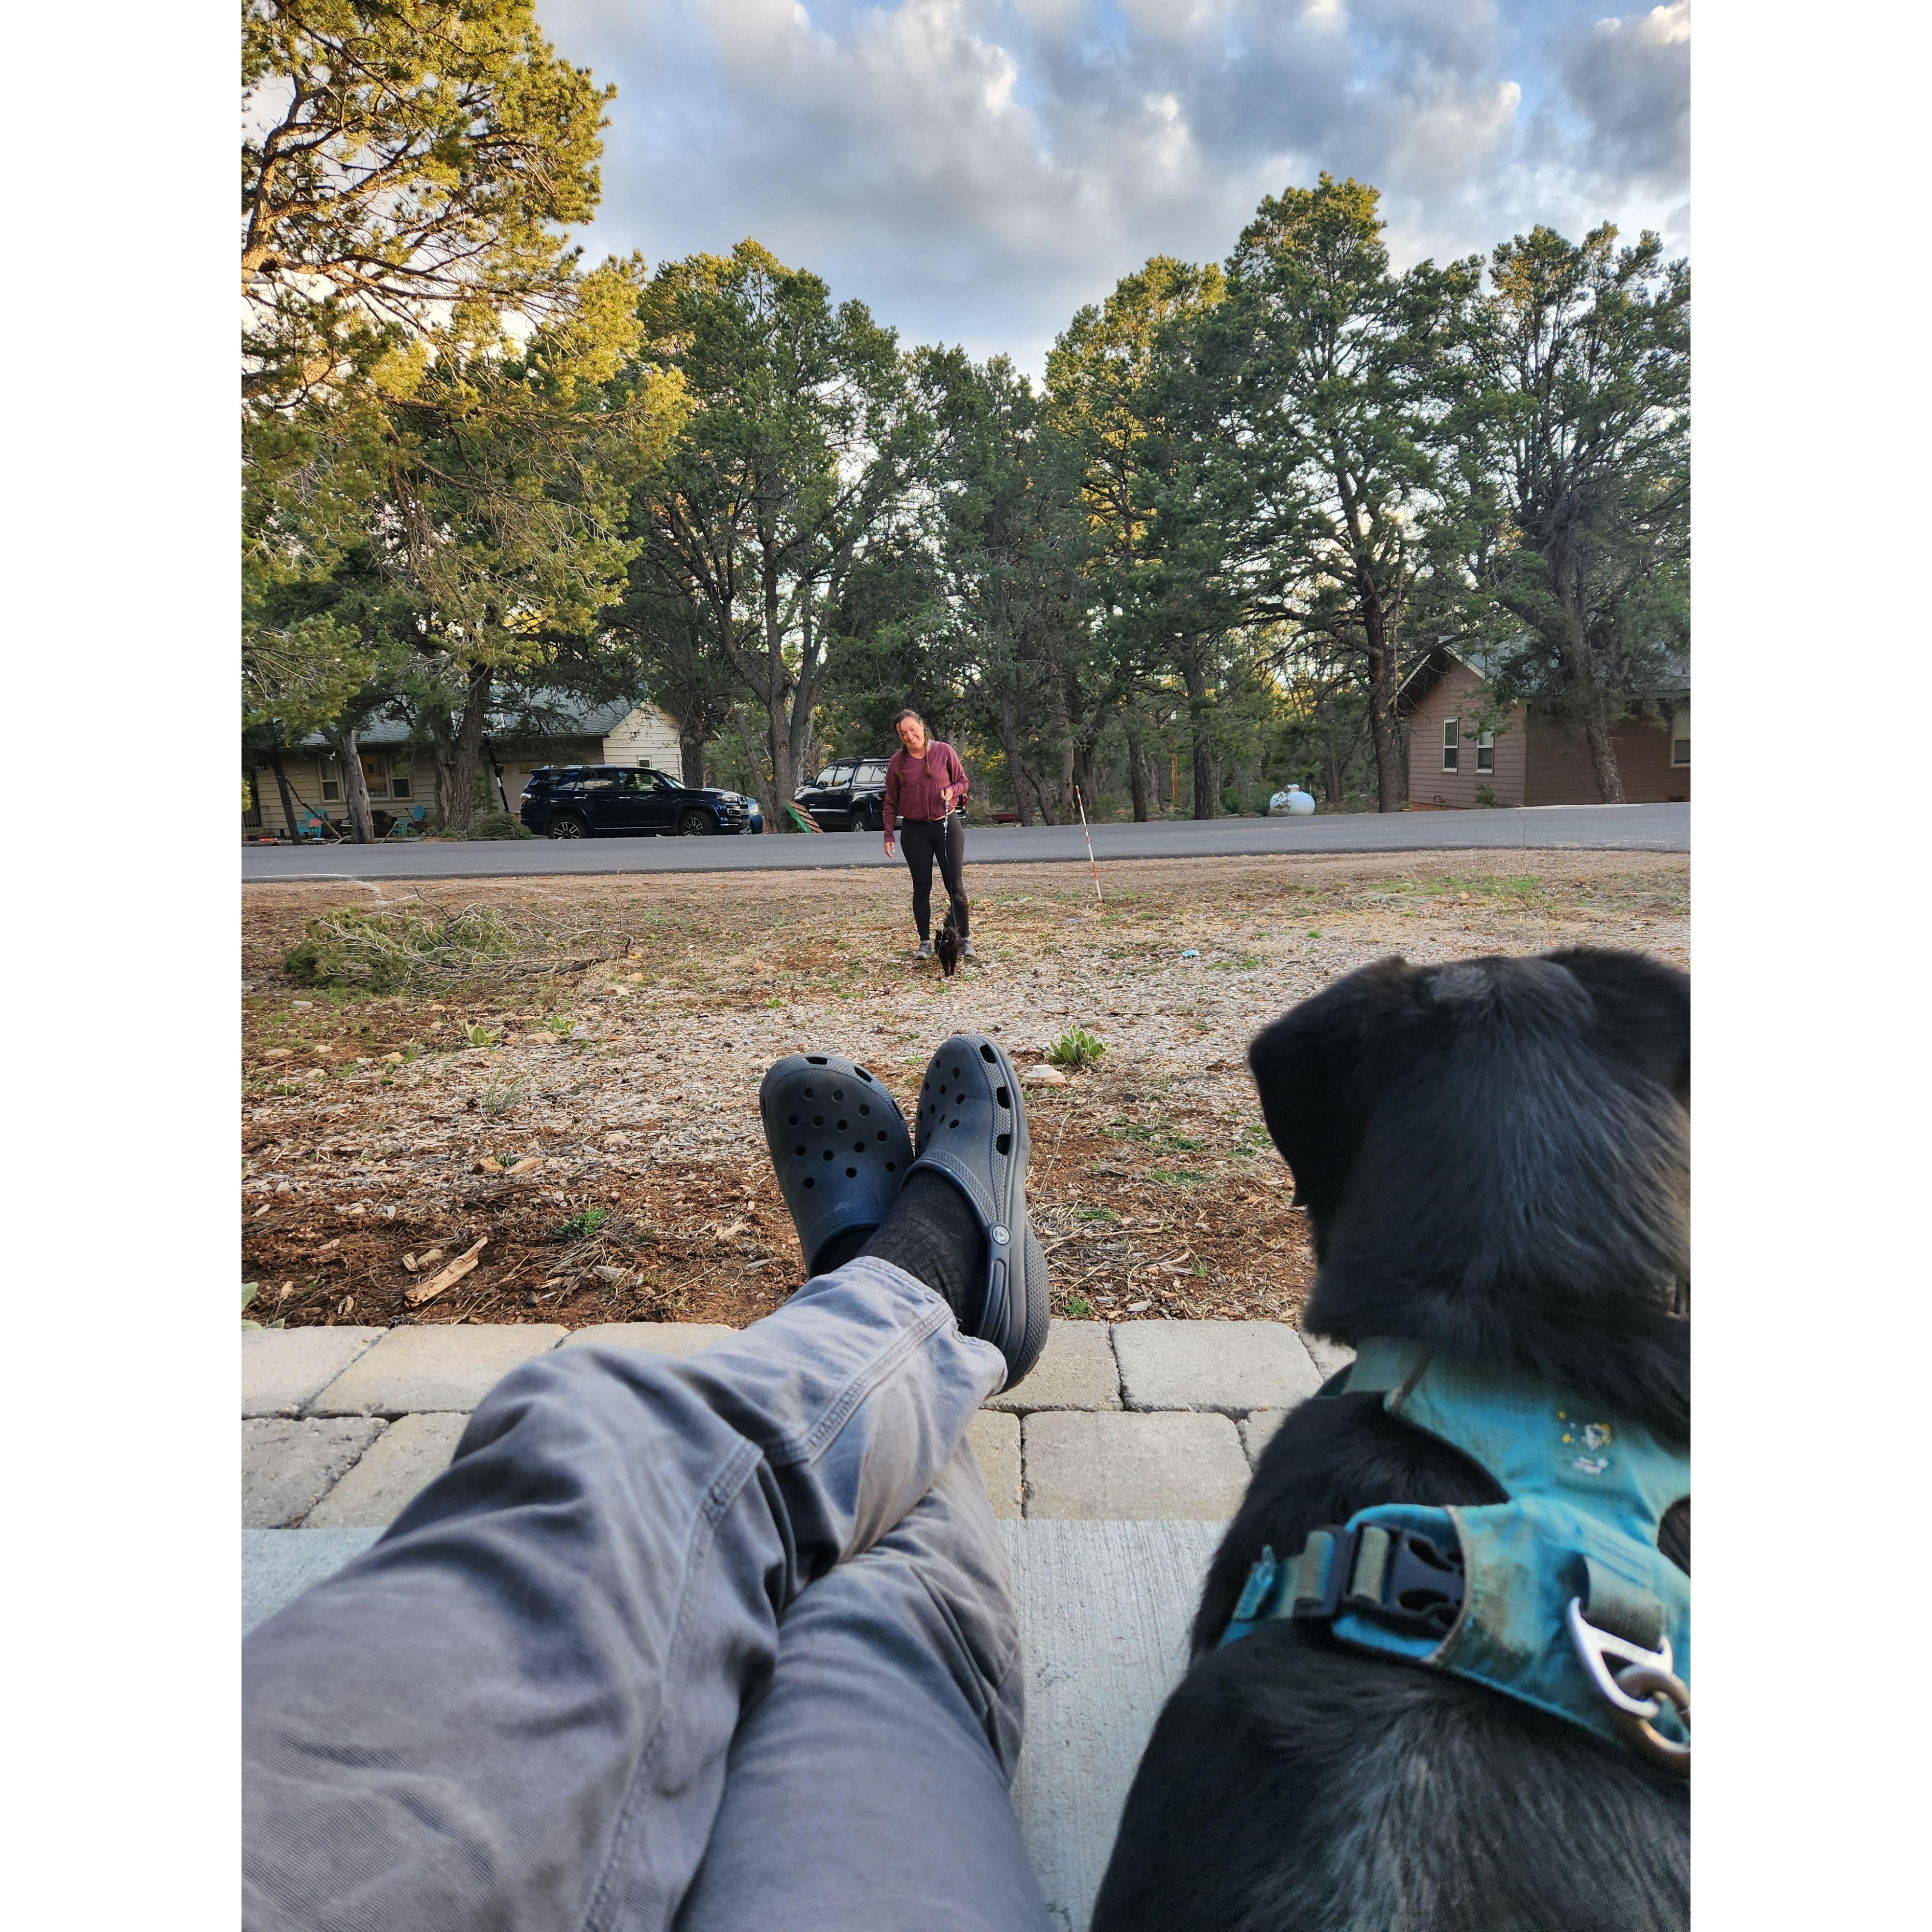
<point x="384" y="951"/>
<point x="249" y="1289"/>
<point x="1077" y="1049"/>
<point x="581" y="1225"/>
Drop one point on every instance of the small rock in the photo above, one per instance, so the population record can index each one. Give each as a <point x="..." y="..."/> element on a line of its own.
<point x="1134" y="1307"/>
<point x="604" y="1271"/>
<point x="278" y="1053"/>
<point x="392" y="1059"/>
<point x="1042" y="1076"/>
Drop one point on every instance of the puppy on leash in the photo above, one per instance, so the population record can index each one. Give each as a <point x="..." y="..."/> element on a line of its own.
<point x="946" y="947"/>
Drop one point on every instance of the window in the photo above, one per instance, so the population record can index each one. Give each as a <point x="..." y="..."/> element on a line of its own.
<point x="656" y="780"/>
<point x="1680" y="739"/>
<point x="332" y="781"/>
<point x="374" y="776"/>
<point x="829" y="776"/>
<point x="1450" y="727"/>
<point x="872" y="774"/>
<point x="400" y="782"/>
<point x="1486" y="751"/>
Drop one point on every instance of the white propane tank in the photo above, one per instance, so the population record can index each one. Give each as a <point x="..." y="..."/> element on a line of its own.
<point x="1292" y="803"/>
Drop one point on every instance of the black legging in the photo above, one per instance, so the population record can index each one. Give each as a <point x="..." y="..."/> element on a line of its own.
<point x="922" y="841"/>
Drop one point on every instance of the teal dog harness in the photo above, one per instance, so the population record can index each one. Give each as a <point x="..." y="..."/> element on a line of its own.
<point x="1559" y="1597"/>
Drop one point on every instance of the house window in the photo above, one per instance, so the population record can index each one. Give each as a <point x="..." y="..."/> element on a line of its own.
<point x="1450" y="730"/>
<point x="400" y="784"/>
<point x="332" y="781"/>
<point x="1680" y="739"/>
<point x="374" y="776"/>
<point x="1486" y="751"/>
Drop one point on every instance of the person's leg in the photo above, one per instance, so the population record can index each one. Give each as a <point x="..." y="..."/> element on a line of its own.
<point x="515" y="1710"/>
<point x="915" y="842"/>
<point x="869" y="1785"/>
<point x="952" y="869"/>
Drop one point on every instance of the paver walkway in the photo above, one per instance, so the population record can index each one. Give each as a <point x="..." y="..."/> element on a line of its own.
<point x="1134" y="1421"/>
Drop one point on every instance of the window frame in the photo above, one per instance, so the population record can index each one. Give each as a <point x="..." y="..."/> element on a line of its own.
<point x="1452" y="744"/>
<point x="330" y="779"/>
<point x="1486" y="751"/>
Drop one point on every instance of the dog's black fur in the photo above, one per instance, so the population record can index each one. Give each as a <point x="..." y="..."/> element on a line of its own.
<point x="1493" y="1156"/>
<point x="946" y="947"/>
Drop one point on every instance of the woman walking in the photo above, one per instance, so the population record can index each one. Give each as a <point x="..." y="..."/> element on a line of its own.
<point x="926" y="786"/>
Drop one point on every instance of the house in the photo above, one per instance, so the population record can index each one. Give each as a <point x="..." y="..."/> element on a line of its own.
<point x="548" y="728"/>
<point x="1463" y="751"/>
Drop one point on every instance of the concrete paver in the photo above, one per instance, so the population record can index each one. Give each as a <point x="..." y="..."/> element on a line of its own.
<point x="447" y="1366"/>
<point x="1256" y="1428"/>
<point x="996" y="1441"/>
<point x="662" y="1338"/>
<point x="288" y="1465"/>
<point x="1330" y="1357"/>
<point x="1076" y="1369"/>
<point x="413" y="1451"/>
<point x="284" y="1368"/>
<point x="1231" y="1366"/>
<point x="1134" y="1468"/>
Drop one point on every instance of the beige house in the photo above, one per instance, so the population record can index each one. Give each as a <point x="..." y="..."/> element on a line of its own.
<point x="1464" y="751"/>
<point x="401" y="778"/>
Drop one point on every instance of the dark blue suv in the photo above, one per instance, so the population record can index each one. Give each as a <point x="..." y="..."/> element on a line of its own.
<point x="626" y="801"/>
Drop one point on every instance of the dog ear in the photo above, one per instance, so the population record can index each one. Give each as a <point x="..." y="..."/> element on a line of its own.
<point x="1643" y="1009"/>
<point x="1306" y="1066"/>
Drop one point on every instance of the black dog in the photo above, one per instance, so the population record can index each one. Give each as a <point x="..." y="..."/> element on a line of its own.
<point x="1494" y="1159"/>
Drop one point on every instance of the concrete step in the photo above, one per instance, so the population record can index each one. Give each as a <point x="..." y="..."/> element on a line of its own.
<point x="1104" y="1609"/>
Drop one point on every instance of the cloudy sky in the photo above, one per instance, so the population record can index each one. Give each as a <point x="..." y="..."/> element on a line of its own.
<point x="976" y="169"/>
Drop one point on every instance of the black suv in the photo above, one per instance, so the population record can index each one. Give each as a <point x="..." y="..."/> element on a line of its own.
<point x="847" y="797"/>
<point x="633" y="801"/>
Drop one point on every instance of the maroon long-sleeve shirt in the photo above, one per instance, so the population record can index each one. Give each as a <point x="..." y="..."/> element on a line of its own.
<point x="913" y="785"/>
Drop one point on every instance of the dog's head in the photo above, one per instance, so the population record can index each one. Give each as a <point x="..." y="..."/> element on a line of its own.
<point x="1488" y="1141"/>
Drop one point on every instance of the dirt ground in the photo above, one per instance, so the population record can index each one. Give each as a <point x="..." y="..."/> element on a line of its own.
<point x="587" y="1107"/>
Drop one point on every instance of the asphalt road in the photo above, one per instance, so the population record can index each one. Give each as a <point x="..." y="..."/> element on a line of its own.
<point x="1598" y="828"/>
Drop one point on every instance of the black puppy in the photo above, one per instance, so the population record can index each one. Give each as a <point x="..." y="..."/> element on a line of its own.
<point x="1494" y="1159"/>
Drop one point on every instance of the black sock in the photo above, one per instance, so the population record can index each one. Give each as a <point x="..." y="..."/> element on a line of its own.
<point x="931" y="1232"/>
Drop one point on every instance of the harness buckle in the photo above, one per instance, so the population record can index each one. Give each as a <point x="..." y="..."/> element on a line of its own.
<point x="1640" y="1672"/>
<point x="1399" y="1577"/>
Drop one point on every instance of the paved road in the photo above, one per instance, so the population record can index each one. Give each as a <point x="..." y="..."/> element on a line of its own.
<point x="1613" y="828"/>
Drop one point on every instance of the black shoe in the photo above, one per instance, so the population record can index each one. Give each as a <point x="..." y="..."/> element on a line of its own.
<point x="972" y="1128"/>
<point x="839" y="1144"/>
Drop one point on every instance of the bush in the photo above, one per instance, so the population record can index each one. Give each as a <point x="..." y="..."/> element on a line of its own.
<point x="384" y="952"/>
<point x="499" y="825"/>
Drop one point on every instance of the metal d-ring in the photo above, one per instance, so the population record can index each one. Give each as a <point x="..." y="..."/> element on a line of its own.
<point x="1635" y="1678"/>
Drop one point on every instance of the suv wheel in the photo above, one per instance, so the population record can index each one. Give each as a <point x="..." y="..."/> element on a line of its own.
<point x="566" y="825"/>
<point x="696" y="825"/>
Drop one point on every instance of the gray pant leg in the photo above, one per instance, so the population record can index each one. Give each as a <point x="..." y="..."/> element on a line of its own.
<point x="868" y="1787"/>
<point x="514" y="1711"/>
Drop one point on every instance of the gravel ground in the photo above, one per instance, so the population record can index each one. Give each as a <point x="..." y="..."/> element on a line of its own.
<point x="588" y="1109"/>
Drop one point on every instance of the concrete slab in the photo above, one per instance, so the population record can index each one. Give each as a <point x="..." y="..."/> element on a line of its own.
<point x="1104" y="1609"/>
<point x="1076" y="1369"/>
<point x="1256" y="1428"/>
<point x="277" y="1565"/>
<point x="996" y="1441"/>
<point x="1330" y="1357"/>
<point x="662" y="1338"/>
<point x="1227" y="1367"/>
<point x="414" y="1450"/>
<point x="283" y="1369"/>
<point x="446" y="1367"/>
<point x="1132" y="1468"/>
<point x="289" y="1465"/>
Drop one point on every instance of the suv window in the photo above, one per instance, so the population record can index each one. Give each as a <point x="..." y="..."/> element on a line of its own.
<point x="596" y="782"/>
<point x="872" y="773"/>
<point x="829" y="776"/>
<point x="656" y="780"/>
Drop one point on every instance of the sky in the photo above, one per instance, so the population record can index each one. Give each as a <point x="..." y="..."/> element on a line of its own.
<point x="976" y="170"/>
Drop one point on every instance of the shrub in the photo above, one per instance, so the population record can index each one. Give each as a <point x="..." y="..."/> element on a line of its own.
<point x="499" y="825"/>
<point x="384" y="952"/>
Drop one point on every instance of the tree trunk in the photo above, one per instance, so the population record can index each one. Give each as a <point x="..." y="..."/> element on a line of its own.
<point x="281" y="773"/>
<point x="1384" y="731"/>
<point x="1193" y="675"/>
<point x="1009" y="743"/>
<point x="1143" y="781"/>
<point x="1597" y="732"/>
<point x="1332" y="779"/>
<point x="760" y="787"/>
<point x="456" y="745"/>
<point x="355" y="787"/>
<point x="691" y="737"/>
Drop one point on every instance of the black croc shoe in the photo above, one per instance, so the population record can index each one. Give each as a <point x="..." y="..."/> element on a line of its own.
<point x="839" y="1144"/>
<point x="972" y="1128"/>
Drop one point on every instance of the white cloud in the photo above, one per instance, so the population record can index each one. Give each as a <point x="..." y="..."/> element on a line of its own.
<point x="975" y="170"/>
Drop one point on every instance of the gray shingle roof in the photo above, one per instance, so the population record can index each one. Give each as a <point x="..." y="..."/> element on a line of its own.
<point x="527" y="717"/>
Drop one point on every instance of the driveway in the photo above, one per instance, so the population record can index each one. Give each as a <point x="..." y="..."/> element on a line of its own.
<point x="1615" y="828"/>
